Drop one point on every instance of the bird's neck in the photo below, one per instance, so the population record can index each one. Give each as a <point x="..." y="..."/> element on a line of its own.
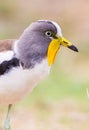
<point x="28" y="59"/>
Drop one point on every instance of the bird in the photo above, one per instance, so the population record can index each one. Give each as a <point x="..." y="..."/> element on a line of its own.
<point x="25" y="61"/>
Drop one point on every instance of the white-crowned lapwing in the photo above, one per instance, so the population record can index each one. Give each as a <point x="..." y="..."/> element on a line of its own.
<point x="26" y="61"/>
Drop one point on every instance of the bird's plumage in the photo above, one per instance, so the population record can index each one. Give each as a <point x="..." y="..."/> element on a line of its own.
<point x="33" y="43"/>
<point x="20" y="77"/>
<point x="6" y="45"/>
<point x="26" y="61"/>
<point x="16" y="84"/>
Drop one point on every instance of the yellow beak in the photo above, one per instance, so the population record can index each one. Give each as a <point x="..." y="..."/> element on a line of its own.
<point x="54" y="47"/>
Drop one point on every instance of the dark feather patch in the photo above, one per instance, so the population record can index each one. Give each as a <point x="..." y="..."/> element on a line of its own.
<point x="7" y="65"/>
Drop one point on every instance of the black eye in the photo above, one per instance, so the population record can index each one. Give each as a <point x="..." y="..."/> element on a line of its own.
<point x="48" y="33"/>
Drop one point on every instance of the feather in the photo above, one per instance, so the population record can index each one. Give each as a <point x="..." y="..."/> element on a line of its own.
<point x="7" y="44"/>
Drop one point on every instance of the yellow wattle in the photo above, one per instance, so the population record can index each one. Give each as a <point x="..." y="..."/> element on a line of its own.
<point x="52" y="50"/>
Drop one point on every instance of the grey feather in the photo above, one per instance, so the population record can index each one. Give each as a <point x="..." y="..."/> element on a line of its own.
<point x="33" y="44"/>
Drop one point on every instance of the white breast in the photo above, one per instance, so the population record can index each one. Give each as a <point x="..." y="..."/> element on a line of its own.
<point x="6" y="56"/>
<point x="17" y="83"/>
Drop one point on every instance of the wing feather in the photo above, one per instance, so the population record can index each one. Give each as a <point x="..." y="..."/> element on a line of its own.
<point x="6" y="45"/>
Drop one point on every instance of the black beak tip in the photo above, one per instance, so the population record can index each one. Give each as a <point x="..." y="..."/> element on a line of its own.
<point x="72" y="47"/>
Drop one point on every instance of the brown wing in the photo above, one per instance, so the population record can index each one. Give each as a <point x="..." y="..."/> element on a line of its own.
<point x="7" y="44"/>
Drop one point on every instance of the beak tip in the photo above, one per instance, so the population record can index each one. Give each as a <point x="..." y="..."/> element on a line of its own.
<point x="72" y="47"/>
<point x="76" y="50"/>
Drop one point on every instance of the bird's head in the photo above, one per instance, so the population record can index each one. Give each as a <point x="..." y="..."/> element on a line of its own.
<point x="42" y="39"/>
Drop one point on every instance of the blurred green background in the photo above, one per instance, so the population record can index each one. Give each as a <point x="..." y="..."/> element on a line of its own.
<point x="63" y="92"/>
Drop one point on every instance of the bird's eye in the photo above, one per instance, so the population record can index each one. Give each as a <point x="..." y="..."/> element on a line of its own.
<point x="48" y="33"/>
